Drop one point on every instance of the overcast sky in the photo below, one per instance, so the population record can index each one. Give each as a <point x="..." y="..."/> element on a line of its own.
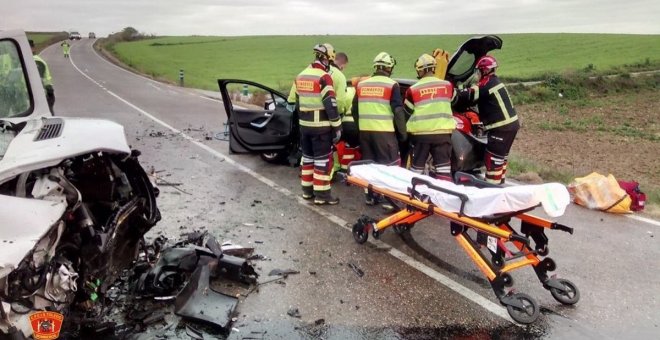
<point x="282" y="17"/>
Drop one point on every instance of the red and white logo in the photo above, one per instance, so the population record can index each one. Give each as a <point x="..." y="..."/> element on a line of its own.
<point x="46" y="325"/>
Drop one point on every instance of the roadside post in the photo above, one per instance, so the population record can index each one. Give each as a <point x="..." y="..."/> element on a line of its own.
<point x="245" y="90"/>
<point x="181" y="77"/>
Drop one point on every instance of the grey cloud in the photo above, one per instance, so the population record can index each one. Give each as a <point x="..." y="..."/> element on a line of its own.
<point x="213" y="17"/>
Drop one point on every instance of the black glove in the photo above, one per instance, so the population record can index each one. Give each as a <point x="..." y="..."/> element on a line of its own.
<point x="337" y="136"/>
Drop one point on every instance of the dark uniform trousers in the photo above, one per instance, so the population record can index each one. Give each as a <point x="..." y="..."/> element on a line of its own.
<point x="500" y="141"/>
<point x="439" y="148"/>
<point x="380" y="147"/>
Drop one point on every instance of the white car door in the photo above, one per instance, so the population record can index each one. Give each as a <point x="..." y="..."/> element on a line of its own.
<point x="22" y="94"/>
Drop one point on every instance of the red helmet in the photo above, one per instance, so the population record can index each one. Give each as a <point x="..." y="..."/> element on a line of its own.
<point x="487" y="65"/>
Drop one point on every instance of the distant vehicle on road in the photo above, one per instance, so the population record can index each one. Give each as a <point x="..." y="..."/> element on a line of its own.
<point x="73" y="35"/>
<point x="92" y="35"/>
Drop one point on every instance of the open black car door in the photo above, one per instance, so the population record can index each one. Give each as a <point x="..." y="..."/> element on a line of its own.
<point x="257" y="117"/>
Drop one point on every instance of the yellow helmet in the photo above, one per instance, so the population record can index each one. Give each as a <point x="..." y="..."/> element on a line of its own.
<point x="330" y="52"/>
<point x="425" y="63"/>
<point x="321" y="51"/>
<point x="384" y="59"/>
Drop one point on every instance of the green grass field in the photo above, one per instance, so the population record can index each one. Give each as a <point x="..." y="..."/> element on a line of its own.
<point x="44" y="39"/>
<point x="41" y="37"/>
<point x="275" y="60"/>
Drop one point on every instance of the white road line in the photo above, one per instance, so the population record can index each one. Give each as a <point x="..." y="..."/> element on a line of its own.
<point x="205" y="97"/>
<point x="156" y="87"/>
<point x="453" y="285"/>
<point x="634" y="217"/>
<point x="644" y="219"/>
<point x="123" y="69"/>
<point x="437" y="276"/>
<point x="148" y="79"/>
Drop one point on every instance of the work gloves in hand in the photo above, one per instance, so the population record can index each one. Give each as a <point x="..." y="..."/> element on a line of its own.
<point x="337" y="136"/>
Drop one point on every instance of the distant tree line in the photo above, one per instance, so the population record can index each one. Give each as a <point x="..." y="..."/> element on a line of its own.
<point x="128" y="34"/>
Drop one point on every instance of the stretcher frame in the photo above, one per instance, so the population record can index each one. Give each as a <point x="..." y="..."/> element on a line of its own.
<point x="494" y="230"/>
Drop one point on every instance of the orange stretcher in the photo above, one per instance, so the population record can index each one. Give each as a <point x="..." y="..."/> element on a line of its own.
<point x="508" y="249"/>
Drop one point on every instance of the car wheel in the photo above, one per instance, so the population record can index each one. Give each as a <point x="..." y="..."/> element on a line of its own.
<point x="273" y="157"/>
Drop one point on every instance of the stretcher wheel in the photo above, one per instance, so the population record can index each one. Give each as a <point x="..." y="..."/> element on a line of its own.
<point x="361" y="232"/>
<point x="527" y="313"/>
<point x="376" y="233"/>
<point x="498" y="261"/>
<point x="507" y="280"/>
<point x="569" y="296"/>
<point x="549" y="264"/>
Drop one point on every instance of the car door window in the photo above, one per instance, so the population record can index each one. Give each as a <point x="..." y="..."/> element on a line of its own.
<point x="463" y="65"/>
<point x="258" y="119"/>
<point x="14" y="94"/>
<point x="250" y="97"/>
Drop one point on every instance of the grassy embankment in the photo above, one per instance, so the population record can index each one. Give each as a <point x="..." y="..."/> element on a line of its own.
<point x="45" y="39"/>
<point x="275" y="60"/>
<point x="568" y="63"/>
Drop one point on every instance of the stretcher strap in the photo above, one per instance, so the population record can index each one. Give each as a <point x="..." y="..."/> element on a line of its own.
<point x="415" y="194"/>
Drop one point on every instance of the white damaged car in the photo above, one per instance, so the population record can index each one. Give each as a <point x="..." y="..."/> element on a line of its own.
<point x="74" y="200"/>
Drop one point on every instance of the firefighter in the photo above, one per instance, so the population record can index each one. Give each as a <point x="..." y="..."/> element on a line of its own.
<point x="379" y="115"/>
<point x="428" y="102"/>
<point x="320" y="126"/>
<point x="65" y="48"/>
<point x="498" y="115"/>
<point x="5" y="62"/>
<point x="339" y="84"/>
<point x="350" y="135"/>
<point x="46" y="78"/>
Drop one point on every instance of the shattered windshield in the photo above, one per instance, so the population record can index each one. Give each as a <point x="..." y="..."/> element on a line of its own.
<point x="14" y="95"/>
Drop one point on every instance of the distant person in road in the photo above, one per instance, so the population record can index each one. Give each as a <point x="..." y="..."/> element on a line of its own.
<point x="428" y="102"/>
<point x="498" y="115"/>
<point x="379" y="115"/>
<point x="320" y="126"/>
<point x="46" y="78"/>
<point x="65" y="48"/>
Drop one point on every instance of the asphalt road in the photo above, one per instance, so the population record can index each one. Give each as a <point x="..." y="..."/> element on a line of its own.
<point x="423" y="287"/>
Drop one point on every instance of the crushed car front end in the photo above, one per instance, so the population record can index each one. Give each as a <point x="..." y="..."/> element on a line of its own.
<point x="75" y="202"/>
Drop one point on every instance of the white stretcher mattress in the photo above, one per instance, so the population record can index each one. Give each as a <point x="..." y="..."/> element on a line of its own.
<point x="553" y="197"/>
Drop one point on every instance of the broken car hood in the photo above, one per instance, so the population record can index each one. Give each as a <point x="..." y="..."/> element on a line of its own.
<point x="23" y="222"/>
<point x="46" y="142"/>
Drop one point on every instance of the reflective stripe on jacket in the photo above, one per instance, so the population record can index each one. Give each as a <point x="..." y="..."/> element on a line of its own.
<point x="494" y="103"/>
<point x="339" y="84"/>
<point x="429" y="102"/>
<point x="44" y="71"/>
<point x="311" y="91"/>
<point x="374" y="107"/>
<point x="5" y="64"/>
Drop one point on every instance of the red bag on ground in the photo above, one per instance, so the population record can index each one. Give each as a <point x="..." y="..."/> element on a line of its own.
<point x="637" y="196"/>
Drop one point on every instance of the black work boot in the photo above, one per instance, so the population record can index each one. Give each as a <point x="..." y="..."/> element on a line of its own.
<point x="369" y="199"/>
<point x="324" y="197"/>
<point x="308" y="193"/>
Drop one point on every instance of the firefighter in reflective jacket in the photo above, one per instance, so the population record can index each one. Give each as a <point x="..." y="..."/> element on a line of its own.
<point x="498" y="115"/>
<point x="65" y="48"/>
<point x="46" y="78"/>
<point x="428" y="102"/>
<point x="379" y="115"/>
<point x="349" y="133"/>
<point x="320" y="126"/>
